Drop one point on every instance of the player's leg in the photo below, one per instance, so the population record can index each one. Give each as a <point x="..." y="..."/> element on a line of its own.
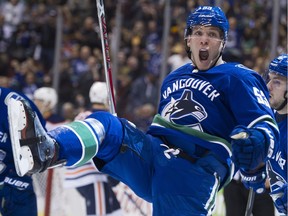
<point x="133" y="163"/>
<point x="118" y="145"/>
<point x="35" y="150"/>
<point x="99" y="134"/>
<point x="193" y="186"/>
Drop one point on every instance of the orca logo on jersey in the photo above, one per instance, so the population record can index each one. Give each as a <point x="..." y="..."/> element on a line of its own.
<point x="184" y="107"/>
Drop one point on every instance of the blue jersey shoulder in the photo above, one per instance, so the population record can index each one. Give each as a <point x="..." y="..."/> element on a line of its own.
<point x="236" y="70"/>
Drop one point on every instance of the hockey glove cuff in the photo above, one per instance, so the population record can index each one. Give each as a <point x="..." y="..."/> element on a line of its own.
<point x="255" y="180"/>
<point x="249" y="147"/>
<point x="279" y="197"/>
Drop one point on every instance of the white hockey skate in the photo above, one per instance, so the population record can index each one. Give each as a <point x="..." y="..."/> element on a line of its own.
<point x="33" y="150"/>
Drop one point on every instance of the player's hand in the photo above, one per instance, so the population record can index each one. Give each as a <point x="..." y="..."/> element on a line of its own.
<point x="249" y="147"/>
<point x="255" y="180"/>
<point x="279" y="197"/>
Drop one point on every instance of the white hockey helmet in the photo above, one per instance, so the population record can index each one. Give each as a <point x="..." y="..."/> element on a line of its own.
<point x="47" y="95"/>
<point x="98" y="93"/>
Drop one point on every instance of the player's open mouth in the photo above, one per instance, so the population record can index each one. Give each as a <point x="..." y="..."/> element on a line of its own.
<point x="203" y="55"/>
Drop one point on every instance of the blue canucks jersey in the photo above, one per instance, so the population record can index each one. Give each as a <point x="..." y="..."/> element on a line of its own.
<point x="214" y="102"/>
<point x="197" y="112"/>
<point x="277" y="165"/>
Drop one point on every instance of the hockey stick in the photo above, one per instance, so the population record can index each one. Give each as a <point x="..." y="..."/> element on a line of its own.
<point x="106" y="56"/>
<point x="250" y="203"/>
<point x="251" y="197"/>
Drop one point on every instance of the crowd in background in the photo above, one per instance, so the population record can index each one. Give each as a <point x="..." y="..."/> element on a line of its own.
<point x="28" y="34"/>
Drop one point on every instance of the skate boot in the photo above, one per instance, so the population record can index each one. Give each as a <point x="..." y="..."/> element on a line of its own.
<point x="33" y="150"/>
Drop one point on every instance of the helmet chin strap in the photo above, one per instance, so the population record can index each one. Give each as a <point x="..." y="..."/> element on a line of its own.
<point x="284" y="103"/>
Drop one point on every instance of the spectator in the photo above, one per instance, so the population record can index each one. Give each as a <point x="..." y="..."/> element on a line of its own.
<point x="47" y="33"/>
<point x="68" y="111"/>
<point x="87" y="35"/>
<point x="4" y="81"/>
<point x="88" y="78"/>
<point x="145" y="89"/>
<point x="30" y="84"/>
<point x="80" y="63"/>
<point x="233" y="45"/>
<point x="178" y="57"/>
<point x="13" y="11"/>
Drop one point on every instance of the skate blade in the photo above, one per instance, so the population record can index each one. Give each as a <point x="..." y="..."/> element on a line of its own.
<point x="23" y="158"/>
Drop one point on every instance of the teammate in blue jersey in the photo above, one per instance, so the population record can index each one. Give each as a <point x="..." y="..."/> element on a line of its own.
<point x="17" y="195"/>
<point x="276" y="164"/>
<point x="185" y="156"/>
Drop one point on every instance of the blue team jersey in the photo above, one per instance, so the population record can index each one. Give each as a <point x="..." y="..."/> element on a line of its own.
<point x="6" y="155"/>
<point x="214" y="102"/>
<point x="197" y="112"/>
<point x="277" y="165"/>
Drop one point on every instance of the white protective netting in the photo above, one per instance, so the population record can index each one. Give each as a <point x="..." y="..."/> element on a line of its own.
<point x="63" y="202"/>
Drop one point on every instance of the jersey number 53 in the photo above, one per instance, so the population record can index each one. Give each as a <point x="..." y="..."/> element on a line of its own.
<point x="260" y="97"/>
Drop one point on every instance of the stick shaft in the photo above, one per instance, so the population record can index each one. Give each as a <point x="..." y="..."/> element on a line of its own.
<point x="106" y="56"/>
<point x="250" y="202"/>
<point x="251" y="197"/>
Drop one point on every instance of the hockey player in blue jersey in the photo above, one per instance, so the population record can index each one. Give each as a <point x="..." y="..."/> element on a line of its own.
<point x="277" y="163"/>
<point x="185" y="156"/>
<point x="17" y="195"/>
